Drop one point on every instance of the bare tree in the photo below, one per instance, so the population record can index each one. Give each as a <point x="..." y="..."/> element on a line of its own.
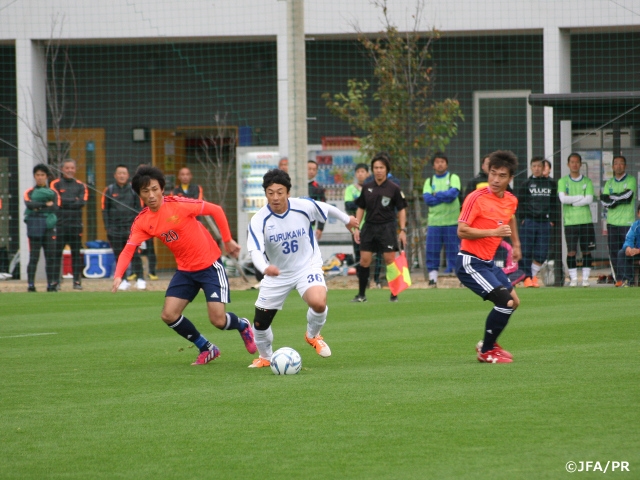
<point x="61" y="96"/>
<point x="217" y="156"/>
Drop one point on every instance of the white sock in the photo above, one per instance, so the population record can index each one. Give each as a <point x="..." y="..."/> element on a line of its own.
<point x="535" y="269"/>
<point x="264" y="342"/>
<point x="585" y="273"/>
<point x="573" y="274"/>
<point x="433" y="275"/>
<point x="315" y="321"/>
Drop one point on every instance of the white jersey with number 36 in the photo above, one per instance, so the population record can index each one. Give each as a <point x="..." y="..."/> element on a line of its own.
<point x="287" y="240"/>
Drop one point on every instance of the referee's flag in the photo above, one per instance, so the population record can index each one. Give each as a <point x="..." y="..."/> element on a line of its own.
<point x="398" y="275"/>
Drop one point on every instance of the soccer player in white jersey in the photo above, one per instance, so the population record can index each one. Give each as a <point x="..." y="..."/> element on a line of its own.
<point x="283" y="247"/>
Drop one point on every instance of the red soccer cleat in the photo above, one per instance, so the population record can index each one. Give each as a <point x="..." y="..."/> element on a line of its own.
<point x="493" y="356"/>
<point x="496" y="347"/>
<point x="207" y="356"/>
<point x="248" y="339"/>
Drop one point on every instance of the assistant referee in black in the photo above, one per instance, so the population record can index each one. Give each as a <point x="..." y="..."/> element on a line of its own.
<point x="380" y="202"/>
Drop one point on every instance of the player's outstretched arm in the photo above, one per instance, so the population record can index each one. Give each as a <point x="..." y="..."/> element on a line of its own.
<point x="220" y="218"/>
<point x="515" y="239"/>
<point x="257" y="257"/>
<point x="232" y="248"/>
<point x="353" y="223"/>
<point x="123" y="262"/>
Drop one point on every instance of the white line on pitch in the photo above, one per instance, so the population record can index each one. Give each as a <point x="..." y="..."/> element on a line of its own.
<point x="31" y="335"/>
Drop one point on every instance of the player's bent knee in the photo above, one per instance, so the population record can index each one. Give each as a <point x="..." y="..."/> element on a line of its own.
<point x="318" y="307"/>
<point x="262" y="318"/>
<point x="500" y="296"/>
<point x="169" y="317"/>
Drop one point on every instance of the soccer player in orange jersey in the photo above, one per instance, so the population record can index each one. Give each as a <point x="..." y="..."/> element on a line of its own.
<point x="173" y="220"/>
<point x="488" y="216"/>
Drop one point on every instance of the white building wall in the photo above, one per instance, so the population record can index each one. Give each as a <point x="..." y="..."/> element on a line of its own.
<point x="131" y="19"/>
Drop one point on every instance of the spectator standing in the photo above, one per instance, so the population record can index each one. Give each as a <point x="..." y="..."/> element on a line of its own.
<point x="381" y="201"/>
<point x="147" y="249"/>
<point x="629" y="253"/>
<point x="619" y="198"/>
<point x="546" y="168"/>
<point x="538" y="212"/>
<point x="351" y="194"/>
<point x="173" y="221"/>
<point x="283" y="164"/>
<point x="488" y="216"/>
<point x="576" y="193"/>
<point x="481" y="180"/>
<point x="441" y="193"/>
<point x="120" y="206"/>
<point x="73" y="197"/>
<point x="316" y="192"/>
<point x="42" y="202"/>
<point x="186" y="188"/>
<point x="284" y="249"/>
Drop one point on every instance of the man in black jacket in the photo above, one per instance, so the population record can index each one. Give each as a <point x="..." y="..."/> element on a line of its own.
<point x="120" y="206"/>
<point x="479" y="181"/>
<point x="73" y="197"/>
<point x="316" y="192"/>
<point x="537" y="212"/>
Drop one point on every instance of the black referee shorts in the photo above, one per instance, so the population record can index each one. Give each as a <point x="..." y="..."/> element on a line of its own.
<point x="379" y="237"/>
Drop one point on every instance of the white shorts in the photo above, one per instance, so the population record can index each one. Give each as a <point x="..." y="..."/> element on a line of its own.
<point x="274" y="290"/>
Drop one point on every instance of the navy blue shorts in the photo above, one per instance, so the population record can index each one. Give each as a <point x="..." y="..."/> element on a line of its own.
<point x="213" y="281"/>
<point x="481" y="276"/>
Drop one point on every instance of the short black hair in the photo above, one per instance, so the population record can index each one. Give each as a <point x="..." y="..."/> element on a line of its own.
<point x="121" y="165"/>
<point x="537" y="159"/>
<point x="41" y="167"/>
<point x="622" y="157"/>
<point x="312" y="161"/>
<point x="574" y="154"/>
<point x="276" y="176"/>
<point x="504" y="158"/>
<point x="143" y="178"/>
<point x="439" y="155"/>
<point x="361" y="165"/>
<point x="384" y="158"/>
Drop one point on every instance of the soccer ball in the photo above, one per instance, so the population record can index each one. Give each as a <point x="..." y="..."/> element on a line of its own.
<point x="286" y="361"/>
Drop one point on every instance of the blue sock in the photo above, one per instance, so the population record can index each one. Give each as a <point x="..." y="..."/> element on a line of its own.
<point x="186" y="329"/>
<point x="234" y="323"/>
<point x="202" y="343"/>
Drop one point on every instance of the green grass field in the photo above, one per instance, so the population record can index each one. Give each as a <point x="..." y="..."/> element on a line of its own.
<point x="94" y="385"/>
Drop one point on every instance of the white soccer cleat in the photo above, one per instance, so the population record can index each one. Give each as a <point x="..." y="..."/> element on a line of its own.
<point x="573" y="283"/>
<point x="141" y="284"/>
<point x="585" y="282"/>
<point x="124" y="285"/>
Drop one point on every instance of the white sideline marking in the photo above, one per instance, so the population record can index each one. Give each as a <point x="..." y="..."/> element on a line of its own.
<point x="31" y="335"/>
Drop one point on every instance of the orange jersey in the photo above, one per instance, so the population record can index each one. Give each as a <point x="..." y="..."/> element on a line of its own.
<point x="486" y="211"/>
<point x="175" y="224"/>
